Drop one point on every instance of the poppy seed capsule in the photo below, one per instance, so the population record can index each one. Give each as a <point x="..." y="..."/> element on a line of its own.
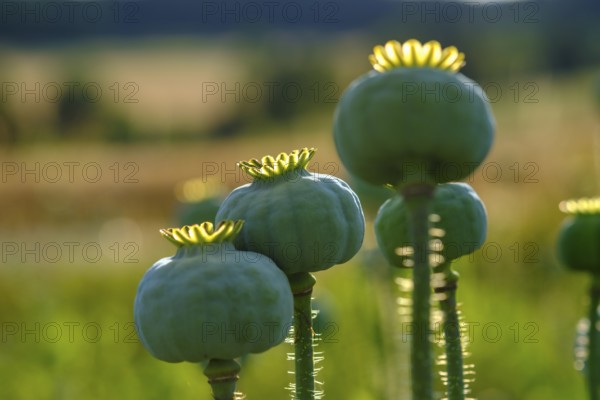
<point x="414" y="119"/>
<point x="458" y="225"/>
<point x="305" y="222"/>
<point x="210" y="301"/>
<point x="579" y="236"/>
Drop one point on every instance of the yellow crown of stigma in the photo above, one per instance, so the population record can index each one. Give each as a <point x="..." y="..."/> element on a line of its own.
<point x="204" y="233"/>
<point x="413" y="54"/>
<point x="581" y="206"/>
<point x="269" y="166"/>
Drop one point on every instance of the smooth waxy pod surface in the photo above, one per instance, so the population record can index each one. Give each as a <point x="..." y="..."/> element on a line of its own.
<point x="211" y="301"/>
<point x="579" y="236"/>
<point x="459" y="224"/>
<point x="415" y="119"/>
<point x="304" y="221"/>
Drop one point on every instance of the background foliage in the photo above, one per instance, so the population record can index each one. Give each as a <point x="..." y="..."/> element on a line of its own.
<point x="66" y="318"/>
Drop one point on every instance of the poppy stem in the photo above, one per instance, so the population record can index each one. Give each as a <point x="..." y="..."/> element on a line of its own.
<point x="455" y="386"/>
<point x="222" y="376"/>
<point x="302" y="286"/>
<point x="594" y="341"/>
<point x="418" y="200"/>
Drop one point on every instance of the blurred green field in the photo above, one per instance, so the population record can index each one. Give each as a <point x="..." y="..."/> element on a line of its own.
<point x="66" y="319"/>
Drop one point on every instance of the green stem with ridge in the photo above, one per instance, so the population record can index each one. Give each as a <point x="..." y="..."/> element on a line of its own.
<point x="222" y="376"/>
<point x="593" y="361"/>
<point x="455" y="385"/>
<point x="302" y="286"/>
<point x="418" y="201"/>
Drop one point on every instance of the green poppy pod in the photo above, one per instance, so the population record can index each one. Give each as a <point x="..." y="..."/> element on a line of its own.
<point x="304" y="221"/>
<point x="579" y="236"/>
<point x="415" y="119"/>
<point x="193" y="213"/>
<point x="199" y="200"/>
<point x="458" y="225"/>
<point x="211" y="301"/>
<point x="371" y="196"/>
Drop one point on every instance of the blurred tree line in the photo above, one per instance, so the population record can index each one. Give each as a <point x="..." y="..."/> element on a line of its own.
<point x="294" y="42"/>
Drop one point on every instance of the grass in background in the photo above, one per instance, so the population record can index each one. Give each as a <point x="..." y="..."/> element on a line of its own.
<point x="545" y="151"/>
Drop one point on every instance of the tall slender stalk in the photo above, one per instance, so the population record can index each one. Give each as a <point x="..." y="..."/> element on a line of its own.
<point x="593" y="361"/>
<point x="302" y="286"/>
<point x="400" y="364"/>
<point x="222" y="376"/>
<point x="418" y="200"/>
<point x="455" y="386"/>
